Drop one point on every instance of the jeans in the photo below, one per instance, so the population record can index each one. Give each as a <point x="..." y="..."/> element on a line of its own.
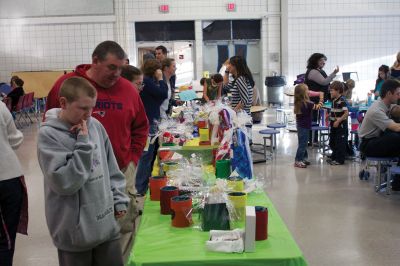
<point x="144" y="170"/>
<point x="302" y="136"/>
<point x="11" y="195"/>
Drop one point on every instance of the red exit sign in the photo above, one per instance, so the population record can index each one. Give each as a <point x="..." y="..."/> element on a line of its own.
<point x="164" y="8"/>
<point x="231" y="7"/>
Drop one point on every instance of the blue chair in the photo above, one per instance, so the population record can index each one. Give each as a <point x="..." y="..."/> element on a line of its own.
<point x="269" y="134"/>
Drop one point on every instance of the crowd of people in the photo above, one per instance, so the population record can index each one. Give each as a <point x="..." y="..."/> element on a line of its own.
<point x="379" y="132"/>
<point x="98" y="142"/>
<point x="96" y="149"/>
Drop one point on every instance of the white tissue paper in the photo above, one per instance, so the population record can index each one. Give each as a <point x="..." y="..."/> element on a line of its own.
<point x="226" y="241"/>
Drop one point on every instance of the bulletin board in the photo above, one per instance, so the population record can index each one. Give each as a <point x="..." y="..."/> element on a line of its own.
<point x="39" y="82"/>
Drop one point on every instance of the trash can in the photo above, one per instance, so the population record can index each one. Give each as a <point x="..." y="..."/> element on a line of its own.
<point x="275" y="86"/>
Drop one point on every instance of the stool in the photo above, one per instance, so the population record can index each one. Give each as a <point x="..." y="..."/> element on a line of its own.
<point x="271" y="135"/>
<point x="394" y="170"/>
<point x="379" y="162"/>
<point x="320" y="139"/>
<point x="276" y="125"/>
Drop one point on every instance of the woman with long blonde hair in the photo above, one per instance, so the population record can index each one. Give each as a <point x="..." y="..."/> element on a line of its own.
<point x="303" y="110"/>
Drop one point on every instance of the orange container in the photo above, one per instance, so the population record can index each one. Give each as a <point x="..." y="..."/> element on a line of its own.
<point x="181" y="207"/>
<point x="156" y="183"/>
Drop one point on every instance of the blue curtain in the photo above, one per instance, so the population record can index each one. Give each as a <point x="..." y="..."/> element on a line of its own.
<point x="223" y="55"/>
<point x="241" y="50"/>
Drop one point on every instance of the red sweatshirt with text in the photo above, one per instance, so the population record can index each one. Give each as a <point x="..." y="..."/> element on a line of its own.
<point x="120" y="110"/>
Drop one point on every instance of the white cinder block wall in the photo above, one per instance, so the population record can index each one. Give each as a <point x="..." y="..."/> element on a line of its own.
<point x="358" y="35"/>
<point x="45" y="40"/>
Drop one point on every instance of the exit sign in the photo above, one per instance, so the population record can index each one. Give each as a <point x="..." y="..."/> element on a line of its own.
<point x="231" y="7"/>
<point x="164" y="8"/>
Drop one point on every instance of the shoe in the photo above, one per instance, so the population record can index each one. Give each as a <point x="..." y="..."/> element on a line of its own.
<point x="335" y="163"/>
<point x="300" y="165"/>
<point x="329" y="160"/>
<point x="306" y="162"/>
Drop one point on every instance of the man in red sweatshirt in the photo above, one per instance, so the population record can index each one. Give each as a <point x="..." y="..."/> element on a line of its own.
<point x="120" y="110"/>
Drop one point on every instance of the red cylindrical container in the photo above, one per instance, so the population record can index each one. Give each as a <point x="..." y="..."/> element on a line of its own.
<point x="214" y="155"/>
<point x="202" y="124"/>
<point x="156" y="183"/>
<point x="181" y="211"/>
<point x="166" y="193"/>
<point x="261" y="223"/>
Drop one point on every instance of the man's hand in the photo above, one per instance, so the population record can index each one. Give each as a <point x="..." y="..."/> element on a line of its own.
<point x="336" y="124"/>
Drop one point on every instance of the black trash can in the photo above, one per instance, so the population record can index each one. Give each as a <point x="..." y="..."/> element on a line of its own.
<point x="275" y="86"/>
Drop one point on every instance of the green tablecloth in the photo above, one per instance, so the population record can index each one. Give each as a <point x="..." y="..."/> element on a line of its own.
<point x="158" y="243"/>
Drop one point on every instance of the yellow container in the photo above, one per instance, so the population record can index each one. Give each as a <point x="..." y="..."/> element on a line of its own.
<point x="235" y="184"/>
<point x="204" y="134"/>
<point x="239" y="202"/>
<point x="167" y="166"/>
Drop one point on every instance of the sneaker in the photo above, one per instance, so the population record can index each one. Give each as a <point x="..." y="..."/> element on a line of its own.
<point x="335" y="163"/>
<point x="300" y="165"/>
<point x="306" y="162"/>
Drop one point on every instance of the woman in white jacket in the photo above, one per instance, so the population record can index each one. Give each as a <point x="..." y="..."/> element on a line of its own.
<point x="12" y="187"/>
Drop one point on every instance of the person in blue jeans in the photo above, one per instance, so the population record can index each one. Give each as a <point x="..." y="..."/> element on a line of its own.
<point x="303" y="108"/>
<point x="155" y="91"/>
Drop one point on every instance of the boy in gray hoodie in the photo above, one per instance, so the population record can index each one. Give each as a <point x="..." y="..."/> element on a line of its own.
<point x="84" y="188"/>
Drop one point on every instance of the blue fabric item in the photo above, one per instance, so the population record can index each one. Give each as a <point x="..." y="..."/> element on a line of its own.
<point x="223" y="55"/>
<point x="241" y="50"/>
<point x="242" y="160"/>
<point x="302" y="136"/>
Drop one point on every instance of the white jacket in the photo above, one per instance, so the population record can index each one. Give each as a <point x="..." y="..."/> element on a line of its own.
<point x="10" y="138"/>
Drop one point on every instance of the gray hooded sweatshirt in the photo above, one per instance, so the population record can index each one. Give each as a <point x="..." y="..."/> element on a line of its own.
<point x="82" y="182"/>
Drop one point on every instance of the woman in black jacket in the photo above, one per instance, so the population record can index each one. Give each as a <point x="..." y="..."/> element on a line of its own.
<point x="17" y="91"/>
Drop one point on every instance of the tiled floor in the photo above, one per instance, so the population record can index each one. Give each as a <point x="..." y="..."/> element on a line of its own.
<point x="335" y="218"/>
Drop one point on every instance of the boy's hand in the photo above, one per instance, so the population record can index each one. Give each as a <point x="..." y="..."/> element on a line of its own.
<point x="81" y="128"/>
<point x="336" y="124"/>
<point x="119" y="214"/>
